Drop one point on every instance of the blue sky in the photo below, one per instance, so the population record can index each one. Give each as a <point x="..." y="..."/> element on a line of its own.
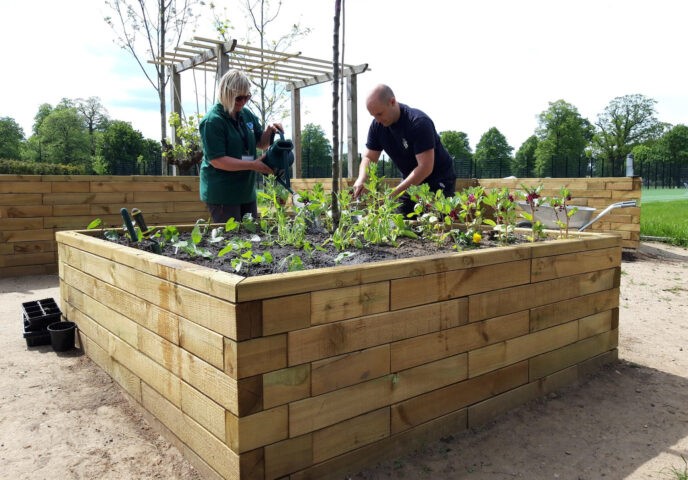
<point x="471" y="65"/>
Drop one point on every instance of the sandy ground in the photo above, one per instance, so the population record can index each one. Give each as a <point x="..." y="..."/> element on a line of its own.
<point x="61" y="417"/>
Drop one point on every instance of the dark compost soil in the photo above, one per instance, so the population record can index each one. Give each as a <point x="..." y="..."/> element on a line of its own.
<point x="325" y="255"/>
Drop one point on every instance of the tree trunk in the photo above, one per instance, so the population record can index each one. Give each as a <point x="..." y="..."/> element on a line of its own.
<point x="335" y="116"/>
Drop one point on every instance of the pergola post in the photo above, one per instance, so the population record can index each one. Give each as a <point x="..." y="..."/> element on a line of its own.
<point x="176" y="104"/>
<point x="352" y="125"/>
<point x="296" y="131"/>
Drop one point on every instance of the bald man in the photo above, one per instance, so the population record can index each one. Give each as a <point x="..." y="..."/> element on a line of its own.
<point x="409" y="138"/>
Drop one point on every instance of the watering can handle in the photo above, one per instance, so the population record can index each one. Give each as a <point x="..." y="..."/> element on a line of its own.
<point x="272" y="137"/>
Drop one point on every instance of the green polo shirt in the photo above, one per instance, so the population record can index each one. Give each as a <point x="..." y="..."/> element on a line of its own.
<point x="222" y="136"/>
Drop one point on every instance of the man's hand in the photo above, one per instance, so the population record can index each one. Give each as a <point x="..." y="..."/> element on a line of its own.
<point x="359" y="186"/>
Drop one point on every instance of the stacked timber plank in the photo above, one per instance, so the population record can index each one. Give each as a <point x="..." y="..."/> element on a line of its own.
<point x="34" y="207"/>
<point x="597" y="193"/>
<point x="319" y="373"/>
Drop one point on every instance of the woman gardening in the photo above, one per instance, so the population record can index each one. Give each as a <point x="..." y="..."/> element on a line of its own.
<point x="231" y="134"/>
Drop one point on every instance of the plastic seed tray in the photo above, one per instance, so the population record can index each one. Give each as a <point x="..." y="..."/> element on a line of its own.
<point x="35" y="338"/>
<point x="37" y="315"/>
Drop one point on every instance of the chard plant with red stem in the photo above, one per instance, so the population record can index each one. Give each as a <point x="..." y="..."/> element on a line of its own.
<point x="533" y="198"/>
<point x="562" y="211"/>
<point x="432" y="214"/>
<point x="503" y="203"/>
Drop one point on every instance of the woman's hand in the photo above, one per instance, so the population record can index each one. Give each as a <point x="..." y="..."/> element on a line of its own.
<point x="268" y="135"/>
<point x="274" y="128"/>
<point x="260" y="167"/>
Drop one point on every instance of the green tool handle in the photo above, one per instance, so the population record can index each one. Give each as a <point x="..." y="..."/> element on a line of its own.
<point x="130" y="226"/>
<point x="138" y="217"/>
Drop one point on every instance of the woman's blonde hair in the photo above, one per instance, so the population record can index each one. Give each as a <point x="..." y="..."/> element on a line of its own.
<point x="232" y="84"/>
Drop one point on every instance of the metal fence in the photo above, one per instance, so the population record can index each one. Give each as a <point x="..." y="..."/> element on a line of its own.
<point x="660" y="174"/>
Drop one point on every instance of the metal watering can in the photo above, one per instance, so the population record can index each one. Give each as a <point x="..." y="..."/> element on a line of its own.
<point x="280" y="157"/>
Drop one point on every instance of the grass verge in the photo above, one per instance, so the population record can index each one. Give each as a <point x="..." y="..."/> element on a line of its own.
<point x="666" y="219"/>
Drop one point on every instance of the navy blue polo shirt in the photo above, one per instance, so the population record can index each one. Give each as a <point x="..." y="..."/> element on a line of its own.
<point x="412" y="134"/>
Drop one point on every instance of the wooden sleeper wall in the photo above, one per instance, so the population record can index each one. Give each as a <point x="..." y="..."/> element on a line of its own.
<point x="34" y="207"/>
<point x="316" y="374"/>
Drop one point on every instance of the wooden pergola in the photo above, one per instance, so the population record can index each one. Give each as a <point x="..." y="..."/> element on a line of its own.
<point x="293" y="69"/>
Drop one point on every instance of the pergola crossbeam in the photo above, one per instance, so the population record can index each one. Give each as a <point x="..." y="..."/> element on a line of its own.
<point x="294" y="69"/>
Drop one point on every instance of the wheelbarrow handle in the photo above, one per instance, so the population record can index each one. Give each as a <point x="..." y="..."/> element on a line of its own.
<point x="613" y="206"/>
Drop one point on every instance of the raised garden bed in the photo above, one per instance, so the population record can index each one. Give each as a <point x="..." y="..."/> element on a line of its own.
<point x="318" y="373"/>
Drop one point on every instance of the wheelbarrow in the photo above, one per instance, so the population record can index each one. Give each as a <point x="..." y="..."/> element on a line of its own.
<point x="581" y="219"/>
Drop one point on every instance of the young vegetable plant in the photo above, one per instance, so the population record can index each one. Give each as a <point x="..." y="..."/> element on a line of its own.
<point x="534" y="199"/>
<point x="110" y="233"/>
<point x="504" y="206"/>
<point x="382" y="223"/>
<point x="562" y="212"/>
<point x="468" y="213"/>
<point x="193" y="248"/>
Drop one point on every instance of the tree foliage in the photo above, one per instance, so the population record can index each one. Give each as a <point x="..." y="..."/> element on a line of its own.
<point x="64" y="138"/>
<point x="77" y="137"/>
<point x="119" y="149"/>
<point x="523" y="164"/>
<point x="562" y="137"/>
<point x="316" y="152"/>
<point x="459" y="148"/>
<point x="493" y="154"/>
<point x="626" y="122"/>
<point x="11" y="138"/>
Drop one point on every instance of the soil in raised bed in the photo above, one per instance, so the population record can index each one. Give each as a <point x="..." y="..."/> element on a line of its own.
<point x="324" y="256"/>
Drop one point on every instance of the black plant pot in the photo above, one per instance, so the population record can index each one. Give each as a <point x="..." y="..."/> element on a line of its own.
<point x="62" y="335"/>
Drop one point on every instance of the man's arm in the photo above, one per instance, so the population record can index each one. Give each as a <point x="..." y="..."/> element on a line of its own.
<point x="371" y="156"/>
<point x="426" y="162"/>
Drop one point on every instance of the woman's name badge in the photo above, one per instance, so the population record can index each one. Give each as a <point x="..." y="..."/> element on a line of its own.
<point x="248" y="158"/>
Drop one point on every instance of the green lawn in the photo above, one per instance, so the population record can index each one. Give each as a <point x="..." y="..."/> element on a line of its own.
<point x="665" y="218"/>
<point x="650" y="195"/>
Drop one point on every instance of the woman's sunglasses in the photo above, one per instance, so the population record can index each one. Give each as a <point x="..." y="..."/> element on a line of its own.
<point x="242" y="98"/>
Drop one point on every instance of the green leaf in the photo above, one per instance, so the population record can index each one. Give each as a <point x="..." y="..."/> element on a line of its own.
<point x="111" y="235"/>
<point x="94" y="224"/>
<point x="196" y="235"/>
<point x="339" y="258"/>
<point x="231" y="225"/>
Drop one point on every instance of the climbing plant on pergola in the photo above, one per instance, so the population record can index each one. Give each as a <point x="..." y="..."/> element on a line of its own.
<point x="293" y="69"/>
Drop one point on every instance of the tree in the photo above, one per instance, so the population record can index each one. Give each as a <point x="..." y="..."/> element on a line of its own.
<point x="119" y="149"/>
<point x="523" y="164"/>
<point x="64" y="138"/>
<point x="11" y="138"/>
<point x="492" y="154"/>
<point x="458" y="147"/>
<point x="626" y="122"/>
<point x="147" y="33"/>
<point x="673" y="148"/>
<point x="316" y="152"/>
<point x="270" y="102"/>
<point x="95" y="117"/>
<point x="562" y="137"/>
